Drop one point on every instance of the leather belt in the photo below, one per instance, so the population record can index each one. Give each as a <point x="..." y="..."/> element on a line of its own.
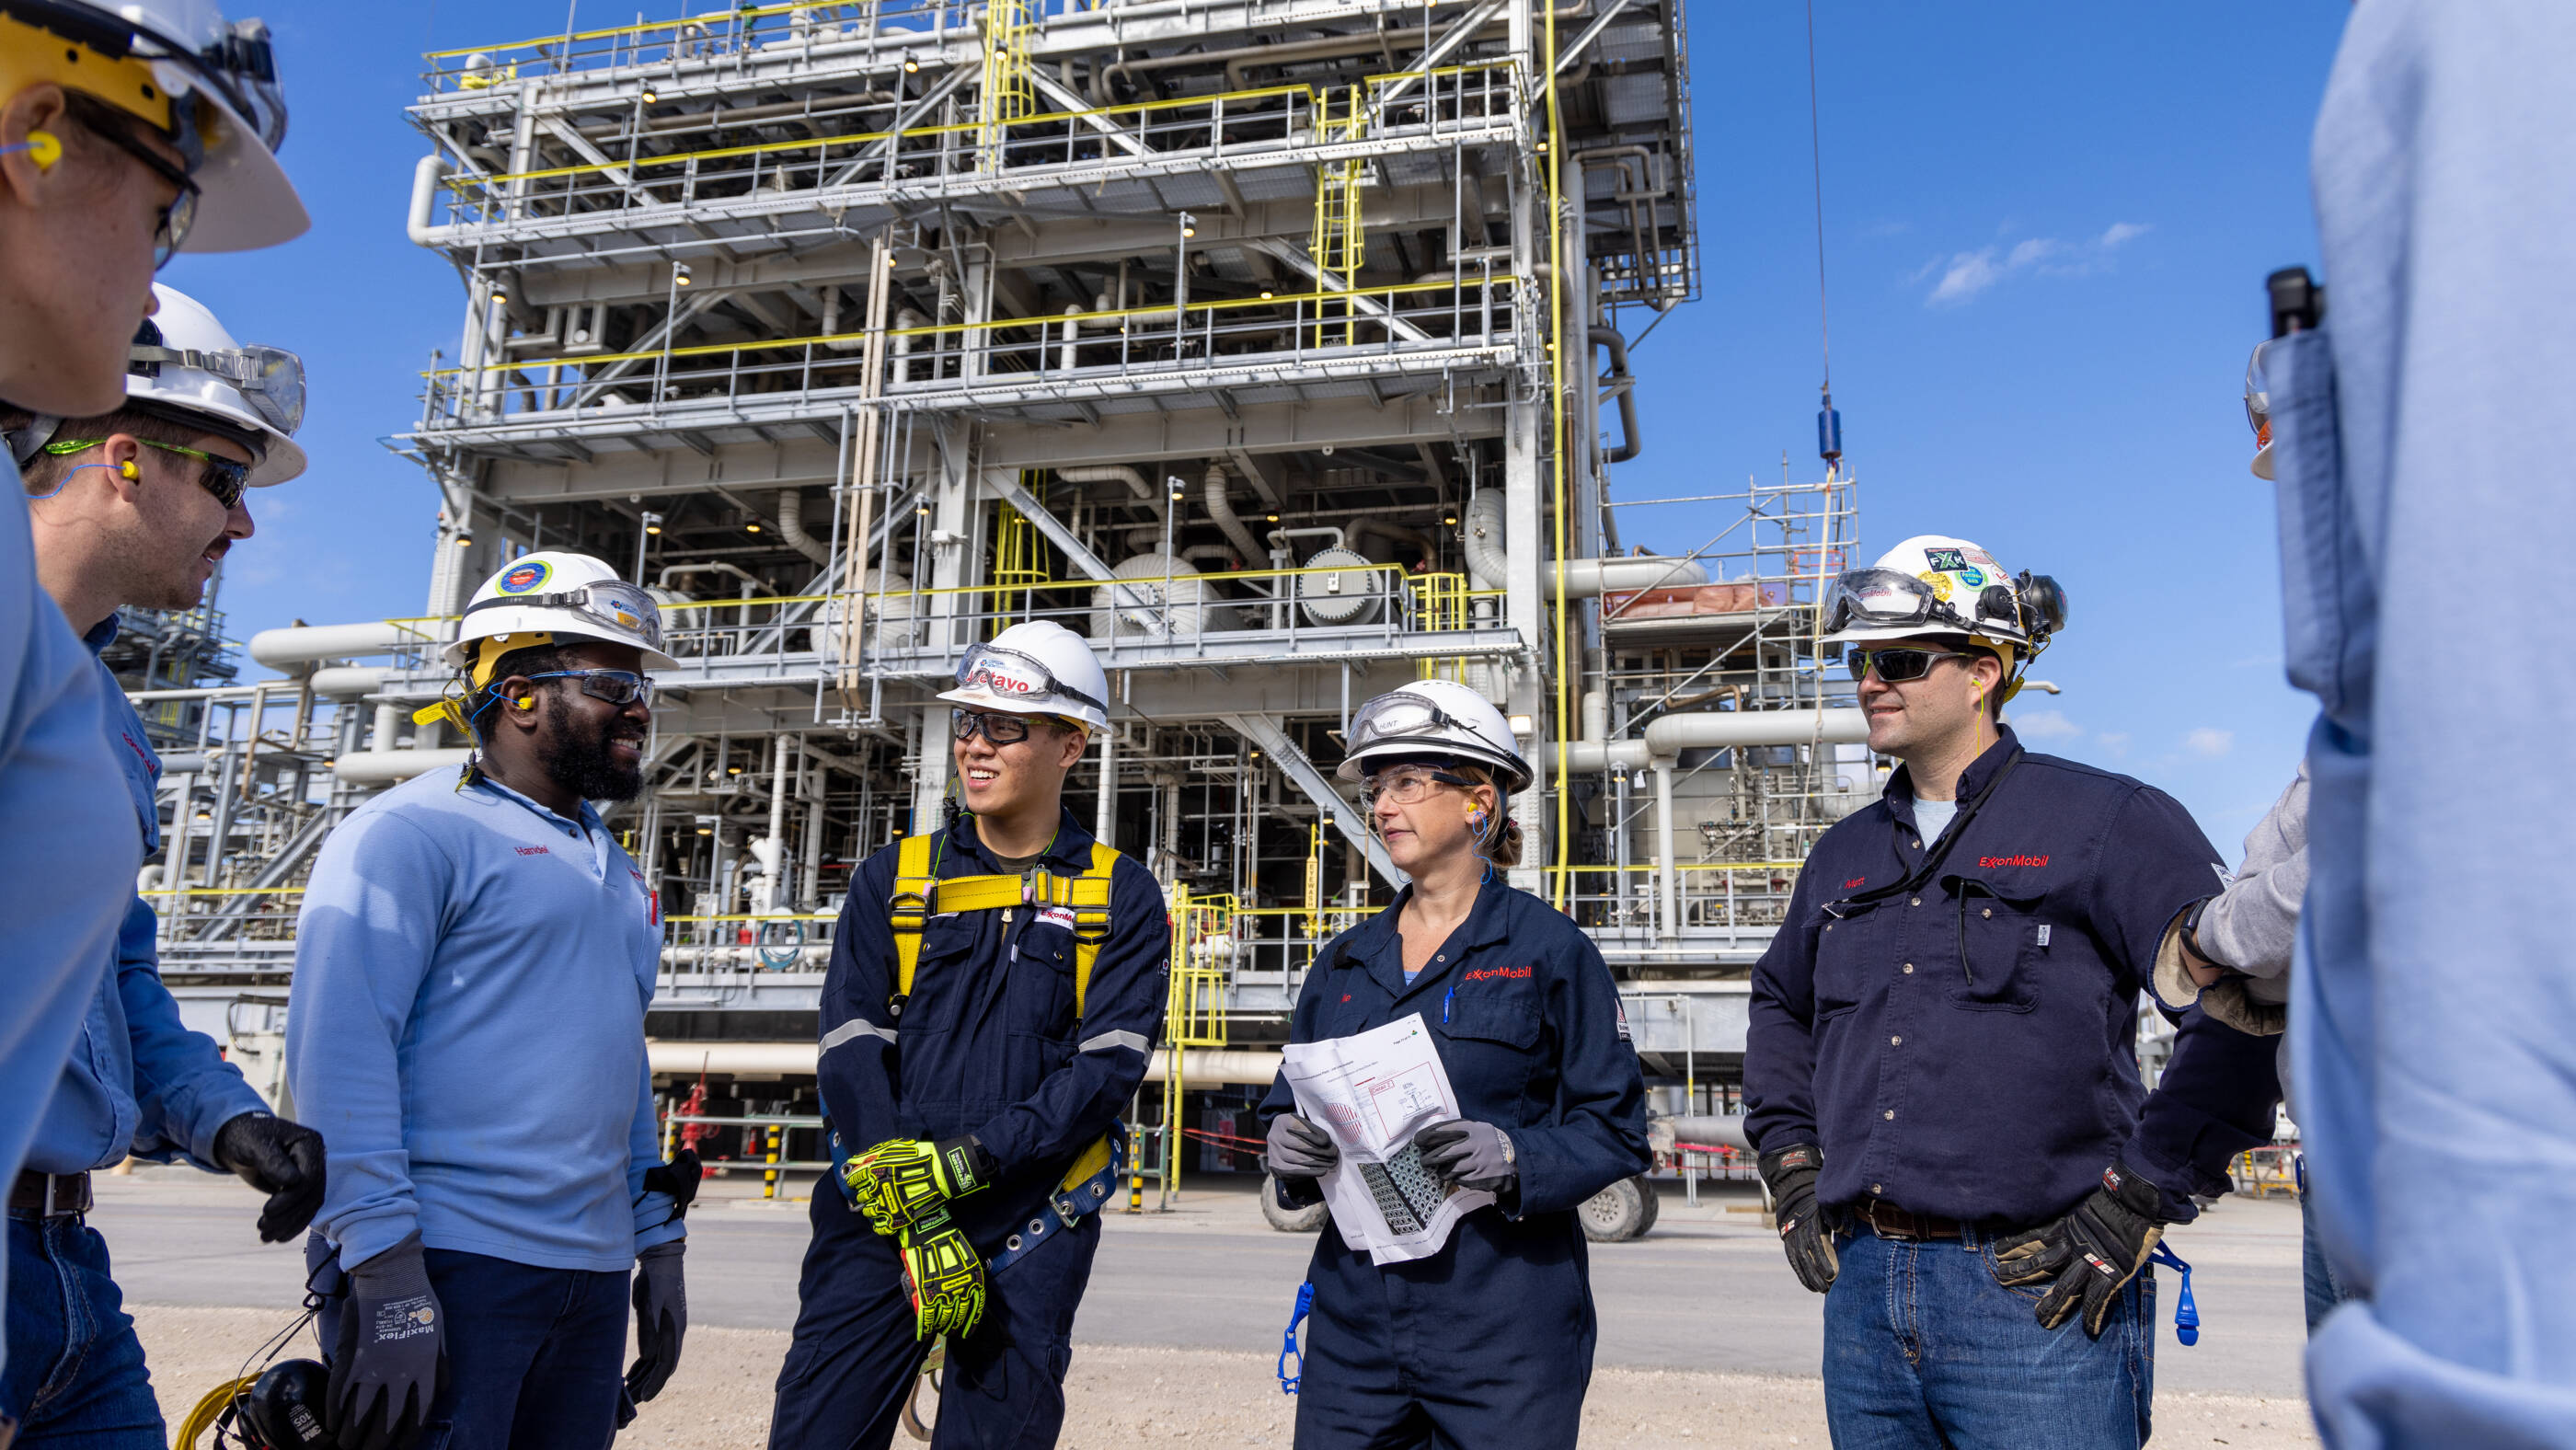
<point x="50" y="1195"/>
<point x="1890" y="1222"/>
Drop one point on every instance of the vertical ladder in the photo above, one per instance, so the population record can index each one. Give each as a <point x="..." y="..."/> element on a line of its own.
<point x="1019" y="555"/>
<point x="1340" y="243"/>
<point x="1010" y="26"/>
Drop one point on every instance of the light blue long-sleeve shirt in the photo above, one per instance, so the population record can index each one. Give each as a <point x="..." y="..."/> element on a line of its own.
<point x="2426" y="455"/>
<point x="69" y="853"/>
<point x="138" y="1081"/>
<point x="466" y="1030"/>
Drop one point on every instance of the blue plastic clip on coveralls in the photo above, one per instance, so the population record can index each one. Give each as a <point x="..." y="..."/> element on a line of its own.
<point x="68" y="869"/>
<point x="466" y="1030"/>
<point x="2424" y="443"/>
<point x="987" y="1045"/>
<point x="1488" y="1342"/>
<point x="138" y="1082"/>
<point x="1966" y="1050"/>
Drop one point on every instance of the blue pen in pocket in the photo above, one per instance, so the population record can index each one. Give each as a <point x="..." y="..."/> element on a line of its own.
<point x="1446" y="1002"/>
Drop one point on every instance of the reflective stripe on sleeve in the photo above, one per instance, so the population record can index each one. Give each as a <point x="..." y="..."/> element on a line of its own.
<point x="855" y="1027"/>
<point x="1132" y="1041"/>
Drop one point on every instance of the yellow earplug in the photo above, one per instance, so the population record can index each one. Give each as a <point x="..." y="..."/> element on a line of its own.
<point x="129" y="470"/>
<point x="526" y="700"/>
<point x="44" y="148"/>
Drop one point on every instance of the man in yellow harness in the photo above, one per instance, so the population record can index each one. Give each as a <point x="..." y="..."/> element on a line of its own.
<point x="995" y="989"/>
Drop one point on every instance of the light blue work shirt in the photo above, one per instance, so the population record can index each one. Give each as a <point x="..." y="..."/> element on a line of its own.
<point x="68" y="857"/>
<point x="466" y="1030"/>
<point x="138" y="1082"/>
<point x="2426" y="453"/>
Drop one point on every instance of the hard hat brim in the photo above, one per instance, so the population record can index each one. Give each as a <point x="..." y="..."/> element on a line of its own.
<point x="246" y="201"/>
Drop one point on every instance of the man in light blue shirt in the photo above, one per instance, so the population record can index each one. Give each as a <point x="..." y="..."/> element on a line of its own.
<point x="473" y="963"/>
<point x="2424" y="446"/>
<point x="135" y="508"/>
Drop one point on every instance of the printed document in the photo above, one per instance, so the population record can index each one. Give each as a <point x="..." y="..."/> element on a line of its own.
<point x="1373" y="1092"/>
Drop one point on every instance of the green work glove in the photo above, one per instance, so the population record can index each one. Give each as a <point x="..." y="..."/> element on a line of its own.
<point x="899" y="1181"/>
<point x="945" y="1277"/>
<point x="2092" y="1253"/>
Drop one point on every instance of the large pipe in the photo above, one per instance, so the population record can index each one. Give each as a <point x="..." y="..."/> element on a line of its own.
<point x="1719" y="730"/>
<point x="392" y="767"/>
<point x="425" y="177"/>
<point x="1717" y="1130"/>
<point x="1592" y="578"/>
<point x="791" y="527"/>
<point x="347" y="681"/>
<point x="1209" y="1067"/>
<point x="1667" y="876"/>
<point x="1221" y="510"/>
<point x="1626" y="388"/>
<point x="1112" y="473"/>
<point x="1484" y="539"/>
<point x="304" y="644"/>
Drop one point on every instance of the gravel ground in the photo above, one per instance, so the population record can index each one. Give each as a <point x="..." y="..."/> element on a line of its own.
<point x="1126" y="1396"/>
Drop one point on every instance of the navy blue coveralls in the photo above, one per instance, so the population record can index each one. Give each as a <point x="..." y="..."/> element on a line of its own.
<point x="1968" y="1049"/>
<point x="988" y="1044"/>
<point x="1487" y="1343"/>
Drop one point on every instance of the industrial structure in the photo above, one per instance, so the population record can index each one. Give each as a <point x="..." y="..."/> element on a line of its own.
<point x="1280" y="347"/>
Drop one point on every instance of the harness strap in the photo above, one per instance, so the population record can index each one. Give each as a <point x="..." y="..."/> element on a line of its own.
<point x="1084" y="1192"/>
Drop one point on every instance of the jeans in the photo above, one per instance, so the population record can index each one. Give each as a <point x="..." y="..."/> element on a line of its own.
<point x="1925" y="1351"/>
<point x="2316" y="1275"/>
<point x="532" y="1354"/>
<point x="75" y="1377"/>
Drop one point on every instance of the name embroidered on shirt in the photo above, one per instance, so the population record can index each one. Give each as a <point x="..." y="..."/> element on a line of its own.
<point x="1986" y="861"/>
<point x="534" y="851"/>
<point x="1057" y="916"/>
<point x="1855" y="883"/>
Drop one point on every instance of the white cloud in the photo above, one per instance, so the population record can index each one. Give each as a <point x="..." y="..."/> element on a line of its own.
<point x="1965" y="274"/>
<point x="2209" y="741"/>
<point x="2114" y="743"/>
<point x="2045" y="725"/>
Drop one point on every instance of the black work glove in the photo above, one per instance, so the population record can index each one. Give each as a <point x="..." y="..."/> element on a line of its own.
<point x="1470" y="1154"/>
<point x="1299" y="1149"/>
<point x="661" y="1320"/>
<point x="2091" y="1253"/>
<point x="280" y="1158"/>
<point x="390" y="1361"/>
<point x="1790" y="1174"/>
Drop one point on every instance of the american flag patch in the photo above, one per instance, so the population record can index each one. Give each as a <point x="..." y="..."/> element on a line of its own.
<point x="1621" y="1005"/>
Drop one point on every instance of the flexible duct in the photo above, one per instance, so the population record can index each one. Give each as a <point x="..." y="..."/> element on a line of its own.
<point x="1221" y="509"/>
<point x="1592" y="578"/>
<point x="426" y="174"/>
<point x="305" y="644"/>
<point x="392" y="767"/>
<point x="1484" y="539"/>
<point x="791" y="527"/>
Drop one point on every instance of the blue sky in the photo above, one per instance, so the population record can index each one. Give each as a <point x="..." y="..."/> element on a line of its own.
<point x="2046" y="229"/>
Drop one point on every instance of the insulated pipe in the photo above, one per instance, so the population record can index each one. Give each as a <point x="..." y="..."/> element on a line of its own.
<point x="1221" y="510"/>
<point x="304" y="644"/>
<point x="1592" y="578"/>
<point x="719" y="567"/>
<point x="391" y="767"/>
<point x="1112" y="473"/>
<point x="832" y="323"/>
<point x="1716" y="1130"/>
<point x="1629" y="442"/>
<point x="1484" y="540"/>
<point x="1667" y="878"/>
<point x="1719" y="730"/>
<point x="425" y="176"/>
<point x="346" y="681"/>
<point x="791" y="527"/>
<point x="1104" y="820"/>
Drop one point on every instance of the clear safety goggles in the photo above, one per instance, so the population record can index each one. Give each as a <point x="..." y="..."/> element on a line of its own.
<point x="1408" y="785"/>
<point x="2258" y="396"/>
<point x="1011" y="675"/>
<point x="1888" y="599"/>
<point x="1405" y="717"/>
<point x="270" y="379"/>
<point x="613" y="603"/>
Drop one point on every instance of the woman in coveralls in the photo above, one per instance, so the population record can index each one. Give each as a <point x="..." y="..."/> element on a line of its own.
<point x="1487" y="1343"/>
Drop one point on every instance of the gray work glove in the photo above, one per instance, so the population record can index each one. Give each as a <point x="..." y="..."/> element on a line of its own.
<point x="1299" y="1149"/>
<point x="1470" y="1154"/>
<point x="281" y="1158"/>
<point x="390" y="1361"/>
<point x="1790" y="1174"/>
<point x="661" y="1320"/>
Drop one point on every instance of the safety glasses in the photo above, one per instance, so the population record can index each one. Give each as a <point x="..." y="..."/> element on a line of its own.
<point x="1897" y="666"/>
<point x="111" y="126"/>
<point x="614" y="603"/>
<point x="270" y="379"/>
<point x="1408" y="787"/>
<point x="1011" y="674"/>
<point x="617" y="687"/>
<point x="965" y="725"/>
<point x="222" y="477"/>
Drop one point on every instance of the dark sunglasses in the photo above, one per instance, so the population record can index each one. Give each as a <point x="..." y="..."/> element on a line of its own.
<point x="221" y="477"/>
<point x="1897" y="666"/>
<point x="999" y="729"/>
<point x="108" y="124"/>
<point x="617" y="687"/>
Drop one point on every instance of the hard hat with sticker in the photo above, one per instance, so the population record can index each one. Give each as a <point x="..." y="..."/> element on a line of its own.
<point x="526" y="577"/>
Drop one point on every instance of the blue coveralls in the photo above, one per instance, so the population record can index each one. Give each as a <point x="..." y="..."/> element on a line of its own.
<point x="1966" y="1050"/>
<point x="67" y="869"/>
<point x="1488" y="1343"/>
<point x="987" y="1044"/>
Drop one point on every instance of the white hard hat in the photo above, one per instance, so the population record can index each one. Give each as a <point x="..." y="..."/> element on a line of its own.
<point x="1933" y="584"/>
<point x="1434" y="718"/>
<point x="1037" y="668"/>
<point x="207" y="85"/>
<point x="183" y="362"/>
<point x="552" y="596"/>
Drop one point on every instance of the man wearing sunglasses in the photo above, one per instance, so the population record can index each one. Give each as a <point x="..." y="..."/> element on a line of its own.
<point x="137" y="508"/>
<point x="1940" y="1070"/>
<point x="84" y="223"/>
<point x="971" y="1077"/>
<point x="473" y="961"/>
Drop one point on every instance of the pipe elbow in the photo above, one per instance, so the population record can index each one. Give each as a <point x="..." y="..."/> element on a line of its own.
<point x="426" y="174"/>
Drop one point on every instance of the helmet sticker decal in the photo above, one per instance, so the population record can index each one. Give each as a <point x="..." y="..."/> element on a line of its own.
<point x="526" y="578"/>
<point x="1973" y="577"/>
<point x="1944" y="559"/>
<point x="1940" y="582"/>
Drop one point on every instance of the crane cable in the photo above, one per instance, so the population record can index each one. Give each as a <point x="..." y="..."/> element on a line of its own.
<point x="1816" y="153"/>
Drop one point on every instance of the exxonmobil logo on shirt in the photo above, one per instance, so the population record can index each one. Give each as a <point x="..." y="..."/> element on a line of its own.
<point x="1483" y="974"/>
<point x="1992" y="861"/>
<point x="534" y="851"/>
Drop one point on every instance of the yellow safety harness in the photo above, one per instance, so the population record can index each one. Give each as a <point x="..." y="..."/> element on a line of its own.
<point x="920" y="893"/>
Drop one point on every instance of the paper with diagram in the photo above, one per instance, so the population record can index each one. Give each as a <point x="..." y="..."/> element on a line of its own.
<point x="1373" y="1091"/>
